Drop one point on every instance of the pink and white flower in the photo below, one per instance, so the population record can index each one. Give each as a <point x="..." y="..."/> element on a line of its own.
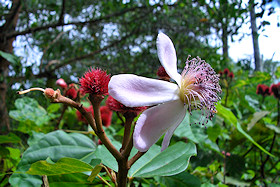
<point x="197" y="87"/>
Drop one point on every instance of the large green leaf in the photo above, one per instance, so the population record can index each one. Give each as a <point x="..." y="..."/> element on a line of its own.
<point x="195" y="132"/>
<point x="227" y="114"/>
<point x="171" y="161"/>
<point x="182" y="179"/>
<point x="29" y="112"/>
<point x="62" y="166"/>
<point x="106" y="157"/>
<point x="55" y="145"/>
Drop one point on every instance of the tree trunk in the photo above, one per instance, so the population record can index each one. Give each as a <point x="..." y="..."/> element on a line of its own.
<point x="6" y="45"/>
<point x="225" y="42"/>
<point x="255" y="36"/>
<point x="224" y="21"/>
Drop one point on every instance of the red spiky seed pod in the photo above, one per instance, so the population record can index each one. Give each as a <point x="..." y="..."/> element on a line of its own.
<point x="161" y="73"/>
<point x="95" y="82"/>
<point x="106" y="115"/>
<point x="115" y="105"/>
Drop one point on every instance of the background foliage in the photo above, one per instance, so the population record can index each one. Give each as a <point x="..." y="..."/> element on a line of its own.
<point x="62" y="39"/>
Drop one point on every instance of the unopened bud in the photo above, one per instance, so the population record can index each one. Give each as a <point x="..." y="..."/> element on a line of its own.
<point x="49" y="93"/>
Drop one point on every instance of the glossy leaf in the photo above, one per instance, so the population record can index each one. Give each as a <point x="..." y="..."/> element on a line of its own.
<point x="171" y="161"/>
<point x="106" y="157"/>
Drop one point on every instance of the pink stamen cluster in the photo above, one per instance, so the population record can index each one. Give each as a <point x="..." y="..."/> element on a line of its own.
<point x="200" y="87"/>
<point x="95" y="81"/>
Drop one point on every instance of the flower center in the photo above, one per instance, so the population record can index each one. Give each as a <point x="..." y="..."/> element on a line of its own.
<point x="199" y="87"/>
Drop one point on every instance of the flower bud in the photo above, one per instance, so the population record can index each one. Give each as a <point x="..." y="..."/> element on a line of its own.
<point x="60" y="82"/>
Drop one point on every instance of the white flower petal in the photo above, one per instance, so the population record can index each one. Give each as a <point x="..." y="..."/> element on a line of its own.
<point x="170" y="131"/>
<point x="155" y="121"/>
<point x="135" y="91"/>
<point x="167" y="56"/>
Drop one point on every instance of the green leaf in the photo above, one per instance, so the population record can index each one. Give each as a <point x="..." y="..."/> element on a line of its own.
<point x="35" y="137"/>
<point x="227" y="114"/>
<point x="70" y="180"/>
<point x="62" y="166"/>
<point x="28" y="109"/>
<point x="106" y="157"/>
<point x="256" y="117"/>
<point x="274" y="128"/>
<point x="182" y="179"/>
<point x="94" y="172"/>
<point x="11" y="138"/>
<point x="171" y="161"/>
<point x="10" y="57"/>
<point x="55" y="145"/>
<point x="185" y="130"/>
<point x="214" y="132"/>
<point x="232" y="181"/>
<point x="149" y="155"/>
<point x="207" y="185"/>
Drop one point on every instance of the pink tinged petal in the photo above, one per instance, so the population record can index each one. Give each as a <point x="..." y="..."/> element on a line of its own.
<point x="167" y="56"/>
<point x="155" y="121"/>
<point x="170" y="131"/>
<point x="135" y="91"/>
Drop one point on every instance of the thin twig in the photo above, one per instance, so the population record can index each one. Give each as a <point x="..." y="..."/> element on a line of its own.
<point x="58" y="24"/>
<point x="96" y="100"/>
<point x="135" y="158"/>
<point x="103" y="180"/>
<point x="127" y="129"/>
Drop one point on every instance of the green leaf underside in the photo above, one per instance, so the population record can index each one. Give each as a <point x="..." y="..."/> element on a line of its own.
<point x="227" y="114"/>
<point x="62" y="166"/>
<point x="55" y="145"/>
